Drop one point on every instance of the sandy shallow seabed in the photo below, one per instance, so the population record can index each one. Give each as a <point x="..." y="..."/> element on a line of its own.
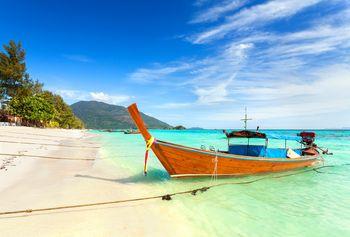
<point x="28" y="183"/>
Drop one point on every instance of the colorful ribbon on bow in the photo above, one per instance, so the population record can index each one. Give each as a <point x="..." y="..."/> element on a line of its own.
<point x="149" y="144"/>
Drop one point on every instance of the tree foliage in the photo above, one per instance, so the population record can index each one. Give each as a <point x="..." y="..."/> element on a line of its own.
<point x="32" y="108"/>
<point x="26" y="96"/>
<point x="63" y="114"/>
<point x="14" y="80"/>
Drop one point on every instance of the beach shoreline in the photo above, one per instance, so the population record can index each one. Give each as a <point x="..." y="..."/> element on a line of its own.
<point x="36" y="182"/>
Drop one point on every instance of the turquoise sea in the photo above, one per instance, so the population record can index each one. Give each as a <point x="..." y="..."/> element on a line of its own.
<point x="307" y="204"/>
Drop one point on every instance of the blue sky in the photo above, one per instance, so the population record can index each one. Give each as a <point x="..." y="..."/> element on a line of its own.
<point x="196" y="63"/>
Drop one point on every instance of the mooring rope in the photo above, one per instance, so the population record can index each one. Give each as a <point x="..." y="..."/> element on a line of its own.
<point x="48" y="144"/>
<point x="163" y="197"/>
<point x="47" y="157"/>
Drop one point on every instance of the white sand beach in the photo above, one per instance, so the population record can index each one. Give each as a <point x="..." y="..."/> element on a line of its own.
<point x="51" y="179"/>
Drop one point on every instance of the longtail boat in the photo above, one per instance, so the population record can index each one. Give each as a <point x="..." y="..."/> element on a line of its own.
<point x="183" y="161"/>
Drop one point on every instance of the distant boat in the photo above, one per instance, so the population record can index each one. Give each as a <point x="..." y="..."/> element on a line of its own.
<point x="183" y="161"/>
<point x="131" y="131"/>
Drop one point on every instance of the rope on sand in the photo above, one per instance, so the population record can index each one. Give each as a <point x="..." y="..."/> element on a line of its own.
<point x="48" y="144"/>
<point x="163" y="197"/>
<point x="47" y="157"/>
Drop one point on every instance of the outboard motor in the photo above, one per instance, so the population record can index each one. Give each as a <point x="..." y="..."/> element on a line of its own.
<point x="307" y="138"/>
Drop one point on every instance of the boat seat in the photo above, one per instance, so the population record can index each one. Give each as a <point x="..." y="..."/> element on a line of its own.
<point x="260" y="151"/>
<point x="246" y="150"/>
<point x="279" y="152"/>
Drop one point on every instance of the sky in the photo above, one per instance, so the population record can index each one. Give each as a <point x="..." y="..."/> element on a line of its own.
<point x="195" y="63"/>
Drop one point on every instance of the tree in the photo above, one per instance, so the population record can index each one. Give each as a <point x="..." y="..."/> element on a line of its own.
<point x="14" y="80"/>
<point x="63" y="113"/>
<point x="32" y="108"/>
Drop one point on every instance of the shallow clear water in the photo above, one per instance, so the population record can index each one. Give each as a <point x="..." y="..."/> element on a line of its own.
<point x="307" y="204"/>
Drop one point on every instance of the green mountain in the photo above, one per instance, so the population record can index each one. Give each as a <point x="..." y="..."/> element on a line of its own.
<point x="99" y="115"/>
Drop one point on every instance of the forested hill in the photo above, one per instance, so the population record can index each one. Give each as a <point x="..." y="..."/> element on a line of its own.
<point x="99" y="115"/>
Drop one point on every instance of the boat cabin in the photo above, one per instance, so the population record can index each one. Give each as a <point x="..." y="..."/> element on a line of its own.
<point x="305" y="139"/>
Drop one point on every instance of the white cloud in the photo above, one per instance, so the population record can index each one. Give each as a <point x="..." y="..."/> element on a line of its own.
<point x="314" y="41"/>
<point x="292" y="54"/>
<point x="327" y="92"/>
<point x="238" y="51"/>
<point x="72" y="94"/>
<point x="254" y="16"/>
<point x="200" y="2"/>
<point x="159" y="72"/>
<point x="217" y="11"/>
<point x="110" y="99"/>
<point x="208" y="78"/>
<point x="213" y="94"/>
<point x="76" y="95"/>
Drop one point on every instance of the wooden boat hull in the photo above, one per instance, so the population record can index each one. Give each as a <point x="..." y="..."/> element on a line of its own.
<point x="182" y="161"/>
